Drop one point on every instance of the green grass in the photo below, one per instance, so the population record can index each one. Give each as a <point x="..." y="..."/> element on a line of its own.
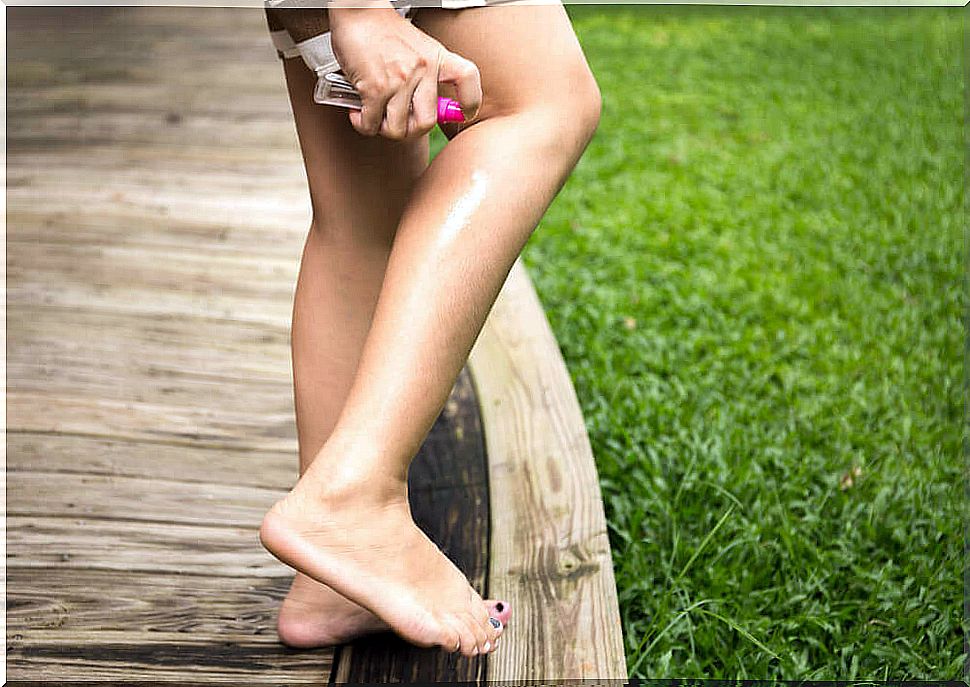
<point x="755" y="276"/>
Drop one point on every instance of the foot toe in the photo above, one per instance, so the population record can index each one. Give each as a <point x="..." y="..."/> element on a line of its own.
<point x="466" y="640"/>
<point x="500" y="610"/>
<point x="478" y="631"/>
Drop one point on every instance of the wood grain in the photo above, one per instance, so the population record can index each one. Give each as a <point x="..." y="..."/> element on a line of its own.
<point x="550" y="554"/>
<point x="115" y="456"/>
<point x="161" y="656"/>
<point x="156" y="212"/>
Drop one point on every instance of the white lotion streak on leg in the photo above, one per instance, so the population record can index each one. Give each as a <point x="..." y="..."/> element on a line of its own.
<point x="463" y="209"/>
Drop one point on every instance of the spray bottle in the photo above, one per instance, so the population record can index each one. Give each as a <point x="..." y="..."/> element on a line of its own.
<point x="298" y="31"/>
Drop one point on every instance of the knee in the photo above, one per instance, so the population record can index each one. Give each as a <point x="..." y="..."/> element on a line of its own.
<point x="585" y="105"/>
<point x="561" y="121"/>
<point x="563" y="126"/>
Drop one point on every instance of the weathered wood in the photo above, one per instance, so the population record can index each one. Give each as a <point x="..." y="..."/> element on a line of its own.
<point x="133" y="420"/>
<point x="81" y="602"/>
<point x="113" y="456"/>
<point x="549" y="553"/>
<point x="152" y="204"/>
<point x="161" y="657"/>
<point x="155" y="500"/>
<point x="190" y="363"/>
<point x="122" y="545"/>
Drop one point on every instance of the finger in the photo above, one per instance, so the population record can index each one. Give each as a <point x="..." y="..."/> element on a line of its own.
<point x="465" y="77"/>
<point x="373" y="101"/>
<point x="398" y="111"/>
<point x="424" y="107"/>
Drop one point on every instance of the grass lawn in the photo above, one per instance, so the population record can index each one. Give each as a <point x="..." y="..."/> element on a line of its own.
<point x="755" y="276"/>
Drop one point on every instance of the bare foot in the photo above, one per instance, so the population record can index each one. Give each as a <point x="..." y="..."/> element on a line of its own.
<point x="313" y="615"/>
<point x="360" y="540"/>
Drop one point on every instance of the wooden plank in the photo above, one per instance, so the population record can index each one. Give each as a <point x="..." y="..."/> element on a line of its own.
<point x="109" y="269"/>
<point x="76" y="624"/>
<point x="449" y="500"/>
<point x="130" y="176"/>
<point x="100" y="128"/>
<point x="156" y="501"/>
<point x="550" y="554"/>
<point x="181" y="361"/>
<point x="129" y="227"/>
<point x="118" y="279"/>
<point x="78" y="602"/>
<point x="79" y="543"/>
<point x="112" y="456"/>
<point x="158" y="657"/>
<point x="272" y="224"/>
<point x="134" y="420"/>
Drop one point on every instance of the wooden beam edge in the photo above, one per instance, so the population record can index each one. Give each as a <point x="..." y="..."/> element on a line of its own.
<point x="517" y="331"/>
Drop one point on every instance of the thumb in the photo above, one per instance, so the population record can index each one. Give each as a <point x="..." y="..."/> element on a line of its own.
<point x="464" y="76"/>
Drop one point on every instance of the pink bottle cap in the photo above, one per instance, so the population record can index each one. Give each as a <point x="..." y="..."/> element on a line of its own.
<point x="449" y="111"/>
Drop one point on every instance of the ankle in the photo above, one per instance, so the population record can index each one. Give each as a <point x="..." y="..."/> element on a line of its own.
<point x="353" y="477"/>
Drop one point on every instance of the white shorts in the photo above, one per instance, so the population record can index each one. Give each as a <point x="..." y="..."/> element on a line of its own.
<point x="286" y="47"/>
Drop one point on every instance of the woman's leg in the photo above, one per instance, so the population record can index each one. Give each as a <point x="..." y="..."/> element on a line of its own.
<point x="358" y="188"/>
<point x="346" y="523"/>
<point x="341" y="272"/>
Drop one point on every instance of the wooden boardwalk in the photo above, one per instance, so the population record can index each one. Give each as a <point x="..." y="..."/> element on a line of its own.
<point x="156" y="211"/>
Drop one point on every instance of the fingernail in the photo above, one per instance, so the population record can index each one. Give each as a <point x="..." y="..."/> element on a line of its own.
<point x="488" y="645"/>
<point x="496" y="623"/>
<point x="475" y="651"/>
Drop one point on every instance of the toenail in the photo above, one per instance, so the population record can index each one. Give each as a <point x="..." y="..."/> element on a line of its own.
<point x="496" y="623"/>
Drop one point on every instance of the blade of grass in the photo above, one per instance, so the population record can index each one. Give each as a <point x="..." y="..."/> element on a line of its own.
<point x="707" y="539"/>
<point x="744" y="633"/>
<point x="677" y="618"/>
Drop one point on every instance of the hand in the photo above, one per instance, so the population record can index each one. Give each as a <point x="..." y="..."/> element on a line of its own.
<point x="396" y="68"/>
